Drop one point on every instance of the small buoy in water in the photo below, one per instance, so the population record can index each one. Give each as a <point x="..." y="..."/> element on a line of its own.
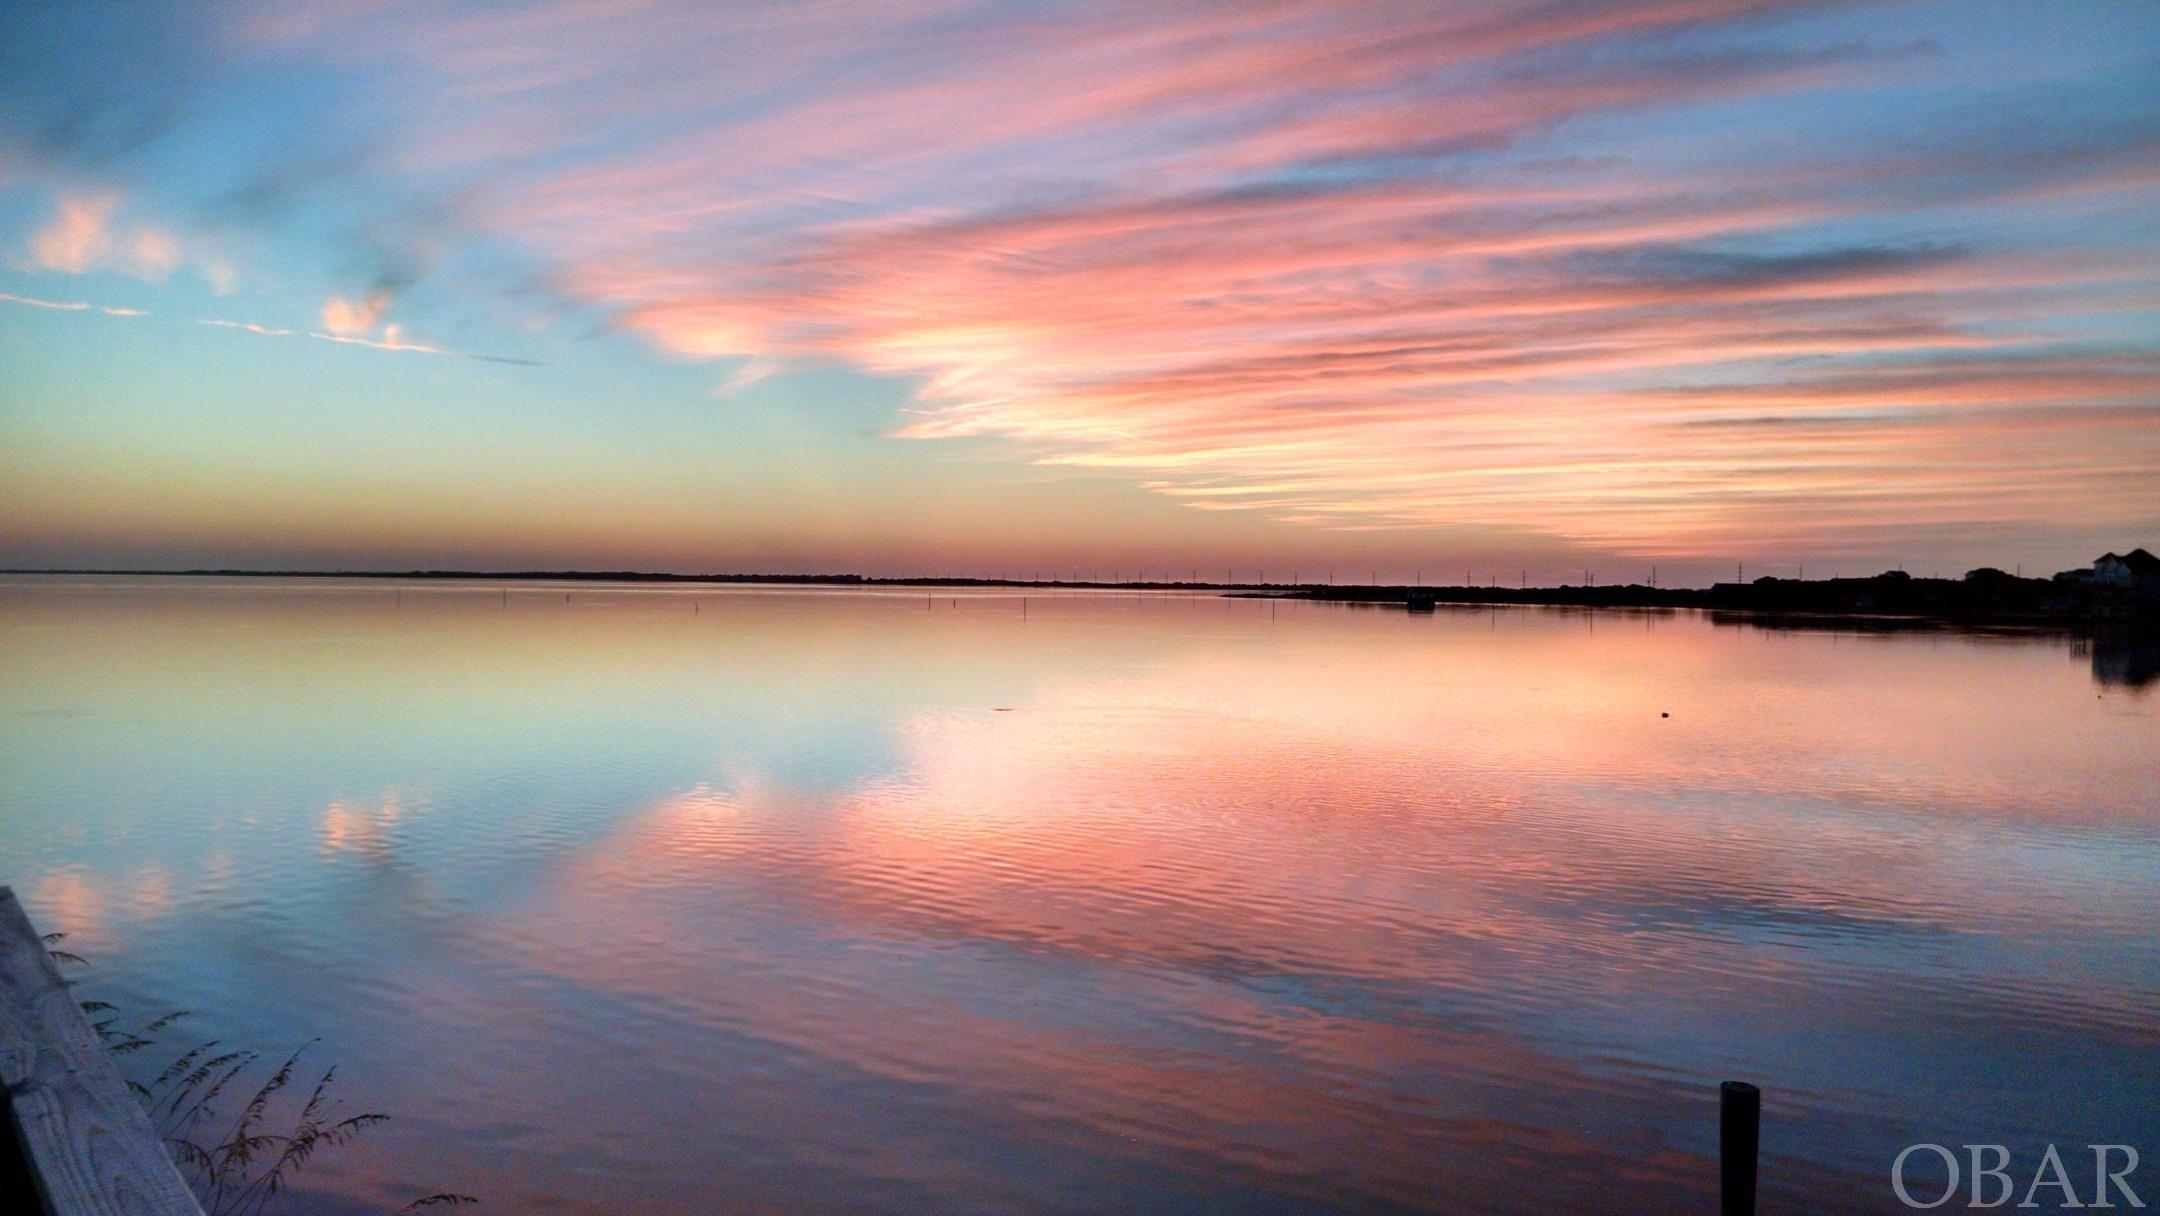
<point x="1664" y="715"/>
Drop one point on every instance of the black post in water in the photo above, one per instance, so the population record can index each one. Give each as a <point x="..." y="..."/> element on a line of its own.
<point x="1739" y="1135"/>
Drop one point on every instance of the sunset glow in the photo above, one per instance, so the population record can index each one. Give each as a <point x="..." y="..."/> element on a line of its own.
<point x="926" y="286"/>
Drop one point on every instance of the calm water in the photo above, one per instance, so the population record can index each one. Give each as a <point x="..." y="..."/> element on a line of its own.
<point x="659" y="901"/>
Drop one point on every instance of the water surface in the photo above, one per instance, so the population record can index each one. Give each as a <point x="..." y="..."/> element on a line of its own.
<point x="674" y="900"/>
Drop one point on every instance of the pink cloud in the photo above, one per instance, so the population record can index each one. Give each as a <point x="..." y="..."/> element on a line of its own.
<point x="155" y="252"/>
<point x="355" y="316"/>
<point x="77" y="235"/>
<point x="88" y="232"/>
<point x="1238" y="254"/>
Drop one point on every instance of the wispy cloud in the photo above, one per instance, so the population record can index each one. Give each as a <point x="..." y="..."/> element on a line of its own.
<point x="251" y="327"/>
<point x="749" y="372"/>
<point x="391" y="339"/>
<point x="1379" y="266"/>
<point x="34" y="302"/>
<point x="1661" y="276"/>
<point x="72" y="306"/>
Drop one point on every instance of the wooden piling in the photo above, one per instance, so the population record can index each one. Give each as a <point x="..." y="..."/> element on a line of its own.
<point x="1739" y="1139"/>
<point x="86" y="1145"/>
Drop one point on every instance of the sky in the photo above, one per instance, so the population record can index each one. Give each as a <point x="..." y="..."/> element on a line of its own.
<point x="1447" y="289"/>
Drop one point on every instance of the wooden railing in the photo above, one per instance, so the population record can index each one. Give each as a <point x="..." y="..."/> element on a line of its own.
<point x="83" y="1145"/>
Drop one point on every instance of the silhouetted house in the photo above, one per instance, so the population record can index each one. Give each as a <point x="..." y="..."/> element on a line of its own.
<point x="2136" y="570"/>
<point x="1992" y="591"/>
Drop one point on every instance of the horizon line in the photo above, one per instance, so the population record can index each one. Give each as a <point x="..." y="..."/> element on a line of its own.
<point x="834" y="578"/>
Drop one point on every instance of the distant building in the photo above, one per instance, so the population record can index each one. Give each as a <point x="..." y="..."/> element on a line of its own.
<point x="2135" y="570"/>
<point x="2117" y="577"/>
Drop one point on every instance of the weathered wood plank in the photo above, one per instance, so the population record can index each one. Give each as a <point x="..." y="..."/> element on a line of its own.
<point x="88" y="1144"/>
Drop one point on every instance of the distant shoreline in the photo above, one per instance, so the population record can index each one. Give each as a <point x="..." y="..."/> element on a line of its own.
<point x="1993" y="599"/>
<point x="1362" y="591"/>
<point x="647" y="576"/>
